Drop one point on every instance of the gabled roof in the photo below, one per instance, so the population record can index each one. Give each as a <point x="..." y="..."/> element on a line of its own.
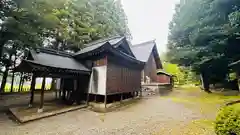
<point x="56" y="59"/>
<point x="143" y="51"/>
<point x="49" y="59"/>
<point x="116" y="42"/>
<point x="94" y="45"/>
<point x="107" y="47"/>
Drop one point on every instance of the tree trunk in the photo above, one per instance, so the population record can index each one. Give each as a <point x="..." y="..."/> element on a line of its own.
<point x="2" y="42"/>
<point x="13" y="74"/>
<point x="32" y="89"/>
<point x="1" y="49"/>
<point x="21" y="88"/>
<point x="12" y="83"/>
<point x="20" y="82"/>
<point x="4" y="79"/>
<point x="53" y="84"/>
<point x="5" y="75"/>
<point x="205" y="82"/>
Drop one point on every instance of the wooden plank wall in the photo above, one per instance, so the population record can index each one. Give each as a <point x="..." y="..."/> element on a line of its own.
<point x="150" y="69"/>
<point x="121" y="79"/>
<point x="163" y="79"/>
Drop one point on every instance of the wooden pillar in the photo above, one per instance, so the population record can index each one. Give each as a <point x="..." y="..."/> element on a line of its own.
<point x="60" y="89"/>
<point x="142" y="77"/>
<point x="88" y="98"/>
<point x="63" y="91"/>
<point x="95" y="98"/>
<point x="42" y="96"/>
<point x="121" y="97"/>
<point x="141" y="92"/>
<point x="32" y="88"/>
<point x="105" y="101"/>
<point x="53" y="87"/>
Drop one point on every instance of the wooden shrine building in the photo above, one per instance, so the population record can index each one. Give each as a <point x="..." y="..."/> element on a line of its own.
<point x="153" y="70"/>
<point x="104" y="71"/>
<point x="116" y="73"/>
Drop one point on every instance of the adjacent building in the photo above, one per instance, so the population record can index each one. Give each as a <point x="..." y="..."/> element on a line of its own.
<point x="147" y="52"/>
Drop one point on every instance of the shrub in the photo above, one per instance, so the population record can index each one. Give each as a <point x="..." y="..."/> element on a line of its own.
<point x="228" y="121"/>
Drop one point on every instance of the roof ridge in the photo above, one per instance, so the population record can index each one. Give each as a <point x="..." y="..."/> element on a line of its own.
<point x="102" y="40"/>
<point x="144" y="43"/>
<point x="55" y="52"/>
<point x="98" y="43"/>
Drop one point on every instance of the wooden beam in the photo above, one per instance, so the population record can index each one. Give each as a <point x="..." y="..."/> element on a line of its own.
<point x="42" y="95"/>
<point x="32" y="88"/>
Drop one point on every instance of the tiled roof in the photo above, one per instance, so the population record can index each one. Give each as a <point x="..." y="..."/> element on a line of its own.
<point x="142" y="51"/>
<point x="51" y="58"/>
<point x="96" y="44"/>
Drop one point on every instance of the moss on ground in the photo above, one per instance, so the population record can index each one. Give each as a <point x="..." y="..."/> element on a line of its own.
<point x="196" y="95"/>
<point x="196" y="127"/>
<point x="206" y="104"/>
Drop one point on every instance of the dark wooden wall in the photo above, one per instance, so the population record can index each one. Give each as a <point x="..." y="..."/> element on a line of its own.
<point x="163" y="79"/>
<point x="150" y="69"/>
<point x="122" y="79"/>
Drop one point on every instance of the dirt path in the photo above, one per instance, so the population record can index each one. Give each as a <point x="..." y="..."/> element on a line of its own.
<point x="154" y="115"/>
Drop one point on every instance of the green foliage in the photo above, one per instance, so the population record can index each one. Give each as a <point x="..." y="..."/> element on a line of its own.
<point x="182" y="75"/>
<point x="204" y="35"/>
<point x="64" y="25"/>
<point x="228" y="121"/>
<point x="175" y="70"/>
<point x="95" y="19"/>
<point x="232" y="76"/>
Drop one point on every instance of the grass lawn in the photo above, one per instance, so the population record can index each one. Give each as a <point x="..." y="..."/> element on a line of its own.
<point x="195" y="95"/>
<point x="25" y="87"/>
<point x="237" y="106"/>
<point x="201" y="102"/>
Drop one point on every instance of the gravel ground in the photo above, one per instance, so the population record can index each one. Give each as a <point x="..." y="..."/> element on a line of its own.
<point x="7" y="101"/>
<point x="152" y="115"/>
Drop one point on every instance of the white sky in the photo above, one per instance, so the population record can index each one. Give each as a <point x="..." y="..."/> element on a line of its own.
<point x="149" y="19"/>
